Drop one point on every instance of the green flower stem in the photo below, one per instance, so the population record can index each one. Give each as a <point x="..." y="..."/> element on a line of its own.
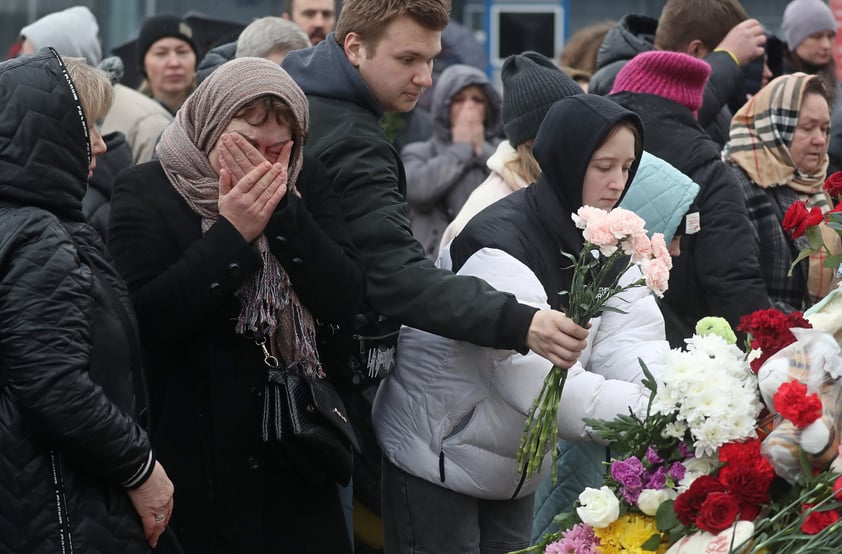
<point x="584" y="301"/>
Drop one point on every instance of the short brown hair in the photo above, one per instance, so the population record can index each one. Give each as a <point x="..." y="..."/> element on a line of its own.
<point x="683" y="21"/>
<point x="368" y="18"/>
<point x="259" y="110"/>
<point x="92" y="86"/>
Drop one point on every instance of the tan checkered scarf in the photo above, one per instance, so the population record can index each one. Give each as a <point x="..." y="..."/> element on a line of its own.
<point x="270" y="306"/>
<point x="762" y="130"/>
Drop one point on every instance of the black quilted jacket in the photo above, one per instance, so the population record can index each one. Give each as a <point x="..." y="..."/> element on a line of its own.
<point x="68" y="442"/>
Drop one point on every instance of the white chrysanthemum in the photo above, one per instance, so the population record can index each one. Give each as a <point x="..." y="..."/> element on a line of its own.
<point x="710" y="435"/>
<point x="674" y="430"/>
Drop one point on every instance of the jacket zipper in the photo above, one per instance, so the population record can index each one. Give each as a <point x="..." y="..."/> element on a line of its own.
<point x="61" y="504"/>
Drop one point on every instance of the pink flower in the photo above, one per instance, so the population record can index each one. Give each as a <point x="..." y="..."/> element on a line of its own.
<point x="600" y="235"/>
<point x="660" y="250"/>
<point x="639" y="247"/>
<point x="578" y="540"/>
<point x="657" y="275"/>
<point x="588" y="215"/>
<point x="625" y="223"/>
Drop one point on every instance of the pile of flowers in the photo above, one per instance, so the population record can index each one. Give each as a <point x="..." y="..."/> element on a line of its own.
<point x="694" y="475"/>
<point x="612" y="238"/>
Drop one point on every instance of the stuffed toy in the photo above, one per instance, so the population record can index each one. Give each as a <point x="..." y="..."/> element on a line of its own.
<point x="814" y="362"/>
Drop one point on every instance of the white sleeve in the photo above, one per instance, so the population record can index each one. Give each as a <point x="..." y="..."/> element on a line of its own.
<point x="520" y="377"/>
<point x="623" y="339"/>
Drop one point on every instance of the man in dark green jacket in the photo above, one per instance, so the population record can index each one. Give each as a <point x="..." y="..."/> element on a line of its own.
<point x="380" y="61"/>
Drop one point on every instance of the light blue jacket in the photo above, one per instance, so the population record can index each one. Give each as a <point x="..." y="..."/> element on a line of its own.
<point x="661" y="195"/>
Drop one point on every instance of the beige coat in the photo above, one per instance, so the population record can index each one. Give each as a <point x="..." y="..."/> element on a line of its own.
<point x="138" y="117"/>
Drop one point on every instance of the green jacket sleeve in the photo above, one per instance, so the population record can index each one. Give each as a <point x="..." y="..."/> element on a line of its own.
<point x="401" y="283"/>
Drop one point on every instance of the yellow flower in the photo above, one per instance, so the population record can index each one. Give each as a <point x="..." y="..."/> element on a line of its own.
<point x="628" y="534"/>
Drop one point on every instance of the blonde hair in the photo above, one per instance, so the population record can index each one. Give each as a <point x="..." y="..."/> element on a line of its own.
<point x="93" y="86"/>
<point x="524" y="165"/>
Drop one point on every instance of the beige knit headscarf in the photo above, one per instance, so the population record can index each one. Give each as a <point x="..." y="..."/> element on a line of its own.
<point x="762" y="130"/>
<point x="270" y="306"/>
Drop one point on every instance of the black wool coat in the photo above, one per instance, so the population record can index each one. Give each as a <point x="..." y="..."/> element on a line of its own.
<point x="206" y="381"/>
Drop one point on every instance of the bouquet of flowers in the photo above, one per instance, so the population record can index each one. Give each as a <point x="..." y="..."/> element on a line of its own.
<point x="800" y="221"/>
<point x="704" y="402"/>
<point x="693" y="476"/>
<point x="611" y="238"/>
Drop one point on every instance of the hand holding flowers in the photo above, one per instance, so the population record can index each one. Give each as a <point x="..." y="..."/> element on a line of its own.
<point x="614" y="240"/>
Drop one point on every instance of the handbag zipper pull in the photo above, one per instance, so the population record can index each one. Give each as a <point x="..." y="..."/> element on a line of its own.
<point x="268" y="358"/>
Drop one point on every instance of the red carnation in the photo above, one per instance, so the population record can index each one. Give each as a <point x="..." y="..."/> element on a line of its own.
<point x="747" y="483"/>
<point x="689" y="503"/>
<point x="833" y="186"/>
<point x="719" y="511"/>
<point x="770" y="331"/>
<point x="818" y="520"/>
<point x="797" y="218"/>
<point x="746" y="453"/>
<point x="794" y="404"/>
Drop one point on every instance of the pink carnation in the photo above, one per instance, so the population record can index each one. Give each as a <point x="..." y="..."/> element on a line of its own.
<point x="600" y="235"/>
<point x="657" y="275"/>
<point x="638" y="247"/>
<point x="625" y="223"/>
<point x="587" y="215"/>
<point x="660" y="250"/>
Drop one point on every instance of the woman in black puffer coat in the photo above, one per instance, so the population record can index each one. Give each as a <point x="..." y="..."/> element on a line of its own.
<point x="77" y="472"/>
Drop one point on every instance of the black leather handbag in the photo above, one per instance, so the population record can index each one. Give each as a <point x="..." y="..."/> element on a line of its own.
<point x="307" y="421"/>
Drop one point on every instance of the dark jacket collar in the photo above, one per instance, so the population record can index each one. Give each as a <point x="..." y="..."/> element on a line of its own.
<point x="324" y="70"/>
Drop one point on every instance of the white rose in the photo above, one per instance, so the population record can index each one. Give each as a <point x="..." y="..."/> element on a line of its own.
<point x="599" y="508"/>
<point x="650" y="499"/>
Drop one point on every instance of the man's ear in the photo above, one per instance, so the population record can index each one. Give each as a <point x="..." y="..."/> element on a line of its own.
<point x="697" y="49"/>
<point x="285" y="15"/>
<point x="354" y="48"/>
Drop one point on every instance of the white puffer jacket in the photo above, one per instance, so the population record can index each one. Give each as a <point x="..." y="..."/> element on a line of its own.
<point x="452" y="412"/>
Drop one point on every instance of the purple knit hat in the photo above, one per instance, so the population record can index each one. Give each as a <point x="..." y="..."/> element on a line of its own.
<point x="671" y="75"/>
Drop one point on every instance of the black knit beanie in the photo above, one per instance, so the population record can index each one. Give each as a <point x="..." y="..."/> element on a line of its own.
<point x="531" y="84"/>
<point x="162" y="26"/>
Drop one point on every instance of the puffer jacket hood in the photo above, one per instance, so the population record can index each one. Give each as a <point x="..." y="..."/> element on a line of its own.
<point x="307" y="68"/>
<point x="573" y="129"/>
<point x="44" y="154"/>
<point x="661" y="195"/>
<point x="452" y="80"/>
<point x="631" y="35"/>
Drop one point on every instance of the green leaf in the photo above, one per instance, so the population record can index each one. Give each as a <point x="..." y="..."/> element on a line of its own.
<point x="665" y="517"/>
<point x="652" y="544"/>
<point x="833" y="261"/>
<point x="814" y="237"/>
<point x="801" y="256"/>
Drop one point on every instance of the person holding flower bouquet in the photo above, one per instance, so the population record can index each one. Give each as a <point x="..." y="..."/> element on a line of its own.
<point x="450" y="417"/>
<point x="779" y="145"/>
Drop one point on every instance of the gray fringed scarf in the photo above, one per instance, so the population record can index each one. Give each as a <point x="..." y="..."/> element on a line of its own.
<point x="270" y="306"/>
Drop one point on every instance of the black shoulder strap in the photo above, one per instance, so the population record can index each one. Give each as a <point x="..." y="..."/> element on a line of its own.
<point x="131" y="337"/>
